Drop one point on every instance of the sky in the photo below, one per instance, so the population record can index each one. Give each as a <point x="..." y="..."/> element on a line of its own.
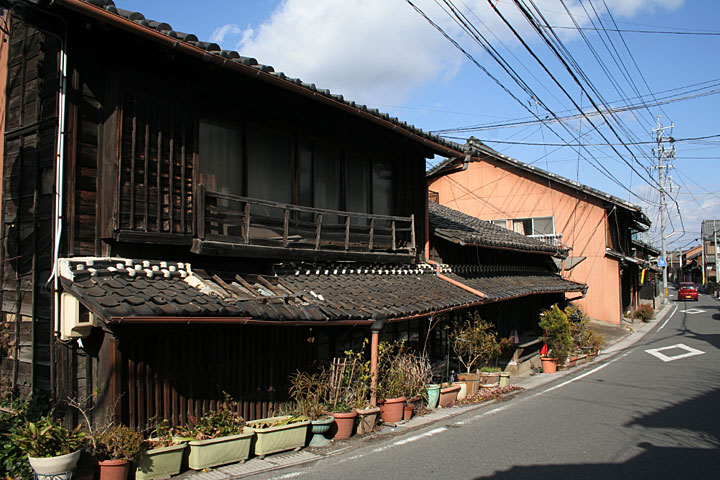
<point x="582" y="104"/>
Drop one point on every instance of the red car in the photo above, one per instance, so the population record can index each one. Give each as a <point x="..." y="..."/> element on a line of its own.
<point x="688" y="291"/>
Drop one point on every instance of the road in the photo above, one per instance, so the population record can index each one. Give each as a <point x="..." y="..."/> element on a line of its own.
<point x="650" y="412"/>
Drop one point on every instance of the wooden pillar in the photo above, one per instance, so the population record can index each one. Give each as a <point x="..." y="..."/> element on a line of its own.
<point x="374" y="340"/>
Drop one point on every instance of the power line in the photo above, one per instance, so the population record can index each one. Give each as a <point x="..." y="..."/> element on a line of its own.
<point x="541" y="144"/>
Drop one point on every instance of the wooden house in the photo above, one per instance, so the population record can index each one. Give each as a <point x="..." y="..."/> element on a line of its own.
<point x="181" y="221"/>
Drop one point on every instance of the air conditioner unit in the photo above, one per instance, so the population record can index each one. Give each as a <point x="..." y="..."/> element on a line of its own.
<point x="76" y="321"/>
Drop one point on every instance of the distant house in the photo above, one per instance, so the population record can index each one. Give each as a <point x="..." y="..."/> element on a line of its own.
<point x="181" y="221"/>
<point x="596" y="227"/>
<point x="710" y="233"/>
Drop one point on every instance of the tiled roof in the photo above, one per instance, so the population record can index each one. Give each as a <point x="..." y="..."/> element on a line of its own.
<point x="464" y="229"/>
<point x="505" y="282"/>
<point x="233" y="56"/>
<point x="476" y="149"/>
<point x="118" y="289"/>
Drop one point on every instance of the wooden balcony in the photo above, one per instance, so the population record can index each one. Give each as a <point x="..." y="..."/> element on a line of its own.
<point x="232" y="225"/>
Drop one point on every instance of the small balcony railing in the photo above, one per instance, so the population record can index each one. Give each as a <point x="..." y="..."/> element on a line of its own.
<point x="551" y="239"/>
<point x="243" y="221"/>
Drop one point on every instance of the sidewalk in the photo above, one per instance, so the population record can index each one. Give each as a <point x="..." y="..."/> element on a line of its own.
<point x="617" y="338"/>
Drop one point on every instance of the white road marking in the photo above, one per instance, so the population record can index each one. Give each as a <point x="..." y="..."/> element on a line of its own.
<point x="693" y="311"/>
<point x="429" y="433"/>
<point x="668" y="319"/>
<point x="690" y="352"/>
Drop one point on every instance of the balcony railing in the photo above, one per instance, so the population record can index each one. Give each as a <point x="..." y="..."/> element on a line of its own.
<point x="242" y="221"/>
<point x="551" y="239"/>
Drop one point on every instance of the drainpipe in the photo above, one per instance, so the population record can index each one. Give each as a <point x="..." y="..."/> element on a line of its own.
<point x="59" y="163"/>
<point x="375" y="336"/>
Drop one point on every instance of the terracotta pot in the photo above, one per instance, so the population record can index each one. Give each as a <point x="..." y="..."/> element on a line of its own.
<point x="391" y="409"/>
<point x="490" y="378"/>
<point x="345" y="423"/>
<point x="463" y="392"/>
<point x="408" y="412"/>
<point x="549" y="365"/>
<point x="367" y="419"/>
<point x="448" y="396"/>
<point x="114" y="469"/>
<point x="472" y="380"/>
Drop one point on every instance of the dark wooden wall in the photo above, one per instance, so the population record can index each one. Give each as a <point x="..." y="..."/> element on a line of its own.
<point x="179" y="372"/>
<point x="27" y="206"/>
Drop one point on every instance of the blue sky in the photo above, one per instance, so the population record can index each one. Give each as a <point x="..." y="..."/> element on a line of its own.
<point x="385" y="54"/>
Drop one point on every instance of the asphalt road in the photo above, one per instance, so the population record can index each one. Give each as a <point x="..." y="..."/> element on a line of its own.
<point x="650" y="412"/>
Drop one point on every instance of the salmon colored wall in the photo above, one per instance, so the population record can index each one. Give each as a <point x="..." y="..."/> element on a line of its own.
<point x="491" y="190"/>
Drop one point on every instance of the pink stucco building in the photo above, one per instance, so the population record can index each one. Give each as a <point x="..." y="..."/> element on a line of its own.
<point x="596" y="226"/>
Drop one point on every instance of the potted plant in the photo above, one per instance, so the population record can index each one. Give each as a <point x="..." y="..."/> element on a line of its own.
<point x="217" y="437"/>
<point x="401" y="375"/>
<point x="308" y="392"/>
<point x="279" y="433"/>
<point x="164" y="453"/>
<point x="367" y="414"/>
<point x="448" y="394"/>
<point x="476" y="344"/>
<point x="433" y="395"/>
<point x="52" y="449"/>
<point x="557" y="337"/>
<point x="115" y="448"/>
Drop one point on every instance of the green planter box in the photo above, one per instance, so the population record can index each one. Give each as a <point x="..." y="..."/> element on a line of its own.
<point x="279" y="438"/>
<point x="219" y="451"/>
<point x="160" y="462"/>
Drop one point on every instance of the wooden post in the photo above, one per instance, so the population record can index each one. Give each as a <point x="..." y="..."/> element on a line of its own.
<point x="372" y="233"/>
<point x="286" y="218"/>
<point x="246" y="229"/>
<point x="347" y="232"/>
<point x="412" y="232"/>
<point x="374" y="340"/>
<point x="318" y="229"/>
<point x="393" y="235"/>
<point x="201" y="211"/>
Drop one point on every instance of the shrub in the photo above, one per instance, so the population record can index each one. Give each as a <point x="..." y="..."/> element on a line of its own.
<point x="475" y="342"/>
<point x="644" y="313"/>
<point x="556" y="332"/>
<point x="119" y="442"/>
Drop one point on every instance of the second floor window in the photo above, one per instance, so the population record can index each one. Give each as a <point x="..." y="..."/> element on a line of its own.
<point x="534" y="226"/>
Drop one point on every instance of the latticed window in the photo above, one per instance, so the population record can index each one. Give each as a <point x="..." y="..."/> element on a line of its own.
<point x="156" y="165"/>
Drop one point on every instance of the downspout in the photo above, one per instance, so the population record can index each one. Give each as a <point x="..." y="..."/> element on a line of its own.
<point x="59" y="179"/>
<point x="374" y="341"/>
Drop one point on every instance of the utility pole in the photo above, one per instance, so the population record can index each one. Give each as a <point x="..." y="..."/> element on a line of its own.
<point x="717" y="280"/>
<point x="662" y="154"/>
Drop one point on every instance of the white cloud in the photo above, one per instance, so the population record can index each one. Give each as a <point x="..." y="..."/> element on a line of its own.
<point x="378" y="51"/>
<point x="220" y="33"/>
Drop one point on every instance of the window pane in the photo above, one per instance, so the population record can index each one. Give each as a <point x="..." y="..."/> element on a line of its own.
<point x="500" y="223"/>
<point x="357" y="187"/>
<point x="305" y="172"/>
<point x="543" y="226"/>
<point x="382" y="188"/>
<point x="269" y="155"/>
<point x="522" y="225"/>
<point x="326" y="178"/>
<point x="220" y="153"/>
